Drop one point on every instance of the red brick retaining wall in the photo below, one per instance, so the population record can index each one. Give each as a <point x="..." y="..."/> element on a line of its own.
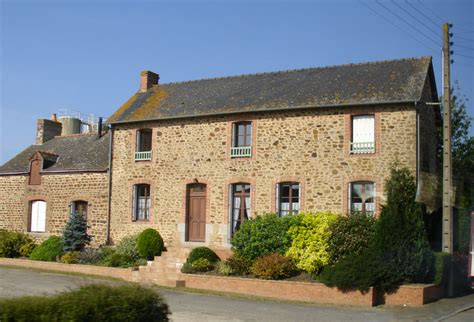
<point x="121" y="273"/>
<point x="413" y="295"/>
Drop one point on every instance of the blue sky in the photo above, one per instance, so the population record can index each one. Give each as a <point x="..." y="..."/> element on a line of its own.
<point x="87" y="55"/>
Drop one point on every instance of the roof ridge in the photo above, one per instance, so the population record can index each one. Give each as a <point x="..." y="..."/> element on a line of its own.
<point x="299" y="70"/>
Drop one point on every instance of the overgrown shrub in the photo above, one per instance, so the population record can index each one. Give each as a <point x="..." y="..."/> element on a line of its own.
<point x="70" y="258"/>
<point x="89" y="303"/>
<point x="202" y="252"/>
<point x="150" y="243"/>
<point x="27" y="249"/>
<point x="75" y="234"/>
<point x="239" y="264"/>
<point x="350" y="235"/>
<point x="90" y="256"/>
<point x="48" y="250"/>
<point x="274" y="266"/>
<point x="224" y="268"/>
<point x="263" y="235"/>
<point x="309" y="247"/>
<point x="11" y="243"/>
<point x="188" y="268"/>
<point x="128" y="246"/>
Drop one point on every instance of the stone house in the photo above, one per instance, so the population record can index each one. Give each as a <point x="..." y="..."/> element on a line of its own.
<point x="47" y="181"/>
<point x="194" y="159"/>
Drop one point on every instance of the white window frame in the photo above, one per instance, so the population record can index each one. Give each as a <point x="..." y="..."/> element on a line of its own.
<point x="38" y="216"/>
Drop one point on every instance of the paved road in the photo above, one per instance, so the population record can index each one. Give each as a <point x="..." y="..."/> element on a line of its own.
<point x="204" y="307"/>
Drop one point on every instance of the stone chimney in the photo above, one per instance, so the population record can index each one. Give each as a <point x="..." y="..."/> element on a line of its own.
<point x="147" y="80"/>
<point x="47" y="130"/>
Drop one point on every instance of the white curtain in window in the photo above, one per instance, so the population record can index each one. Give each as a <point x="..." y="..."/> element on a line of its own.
<point x="38" y="216"/>
<point x="236" y="213"/>
<point x="363" y="129"/>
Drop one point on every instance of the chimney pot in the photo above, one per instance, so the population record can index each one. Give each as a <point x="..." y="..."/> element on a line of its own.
<point x="54" y="117"/>
<point x="147" y="80"/>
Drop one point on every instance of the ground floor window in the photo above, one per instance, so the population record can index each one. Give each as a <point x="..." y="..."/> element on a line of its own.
<point x="240" y="208"/>
<point x="141" y="202"/>
<point x="80" y="207"/>
<point x="362" y="197"/>
<point x="288" y="198"/>
<point x="37" y="218"/>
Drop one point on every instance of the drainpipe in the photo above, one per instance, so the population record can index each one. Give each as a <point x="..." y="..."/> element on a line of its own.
<point x="109" y="193"/>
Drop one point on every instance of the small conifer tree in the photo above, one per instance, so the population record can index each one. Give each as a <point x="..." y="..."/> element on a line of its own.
<point x="75" y="233"/>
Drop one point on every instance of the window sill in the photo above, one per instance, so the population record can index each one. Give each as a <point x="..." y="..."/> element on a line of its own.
<point x="143" y="156"/>
<point x="141" y="221"/>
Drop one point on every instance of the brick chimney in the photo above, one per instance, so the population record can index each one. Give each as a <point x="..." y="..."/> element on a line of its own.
<point x="47" y="130"/>
<point x="147" y="80"/>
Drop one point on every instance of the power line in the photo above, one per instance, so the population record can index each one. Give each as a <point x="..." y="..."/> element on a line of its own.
<point x="432" y="11"/>
<point x="421" y="13"/>
<point x="398" y="27"/>
<point x="462" y="46"/>
<point x="466" y="56"/>
<point x="463" y="38"/>
<point x="416" y="19"/>
<point x="398" y="16"/>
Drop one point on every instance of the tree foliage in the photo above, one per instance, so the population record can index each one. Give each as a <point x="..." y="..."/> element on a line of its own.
<point x="75" y="234"/>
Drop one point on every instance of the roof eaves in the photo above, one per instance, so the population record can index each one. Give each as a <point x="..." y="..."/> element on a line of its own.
<point x="287" y="108"/>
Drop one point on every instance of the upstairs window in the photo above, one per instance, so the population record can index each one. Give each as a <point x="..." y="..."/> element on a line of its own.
<point x="240" y="205"/>
<point x="288" y="198"/>
<point x="241" y="140"/>
<point x="363" y="134"/>
<point x="141" y="202"/>
<point x="37" y="218"/>
<point x="362" y="197"/>
<point x="143" y="145"/>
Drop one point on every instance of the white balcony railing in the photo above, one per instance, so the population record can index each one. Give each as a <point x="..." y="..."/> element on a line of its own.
<point x="241" y="152"/>
<point x="362" y="147"/>
<point x="143" y="156"/>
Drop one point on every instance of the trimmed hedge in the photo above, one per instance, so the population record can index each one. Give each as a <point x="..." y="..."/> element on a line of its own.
<point x="150" y="243"/>
<point x="89" y="303"/>
<point x="263" y="235"/>
<point x="202" y="252"/>
<point x="48" y="250"/>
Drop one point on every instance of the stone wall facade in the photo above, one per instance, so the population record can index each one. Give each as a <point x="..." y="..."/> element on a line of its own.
<point x="309" y="146"/>
<point x="58" y="190"/>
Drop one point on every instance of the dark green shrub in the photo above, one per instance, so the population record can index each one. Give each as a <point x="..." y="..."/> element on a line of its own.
<point x="274" y="267"/>
<point x="70" y="258"/>
<point x="440" y="268"/>
<point x="48" y="250"/>
<point x="188" y="268"/>
<point x="89" y="303"/>
<point x="401" y="247"/>
<point x="239" y="264"/>
<point x="128" y="246"/>
<point x="350" y="235"/>
<point x="263" y="235"/>
<point x="460" y="273"/>
<point x="355" y="271"/>
<point x="75" y="234"/>
<point x="11" y="243"/>
<point x="202" y="252"/>
<point x="150" y="243"/>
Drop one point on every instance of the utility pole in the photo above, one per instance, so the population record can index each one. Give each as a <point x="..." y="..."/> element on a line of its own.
<point x="447" y="238"/>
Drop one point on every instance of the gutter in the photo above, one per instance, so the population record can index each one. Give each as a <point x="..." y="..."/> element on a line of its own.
<point x="109" y="192"/>
<point x="53" y="172"/>
<point x="286" y="108"/>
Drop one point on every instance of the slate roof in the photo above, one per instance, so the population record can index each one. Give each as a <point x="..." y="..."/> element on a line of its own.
<point x="75" y="153"/>
<point x="381" y="82"/>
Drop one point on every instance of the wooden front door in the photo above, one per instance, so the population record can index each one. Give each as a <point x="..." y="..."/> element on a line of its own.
<point x="196" y="212"/>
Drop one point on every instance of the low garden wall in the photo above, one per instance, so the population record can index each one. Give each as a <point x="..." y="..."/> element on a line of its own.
<point x="411" y="295"/>
<point x="121" y="273"/>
